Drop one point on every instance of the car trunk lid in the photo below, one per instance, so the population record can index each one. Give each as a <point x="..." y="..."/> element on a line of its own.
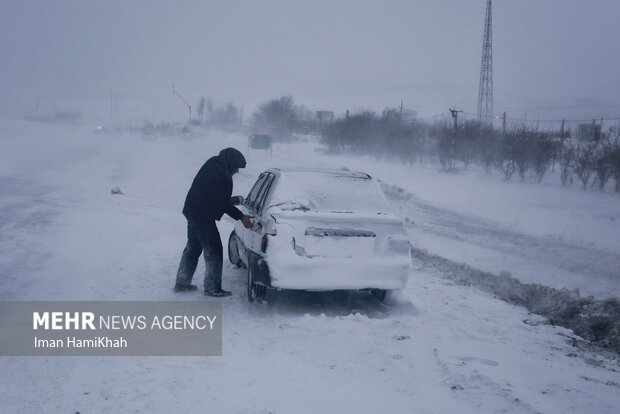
<point x="340" y="235"/>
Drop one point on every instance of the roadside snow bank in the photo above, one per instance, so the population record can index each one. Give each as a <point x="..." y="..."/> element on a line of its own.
<point x="597" y="321"/>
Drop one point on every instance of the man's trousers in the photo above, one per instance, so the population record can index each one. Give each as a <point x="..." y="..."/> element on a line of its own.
<point x="202" y="238"/>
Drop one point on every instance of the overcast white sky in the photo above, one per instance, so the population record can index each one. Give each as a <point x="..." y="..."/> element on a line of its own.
<point x="552" y="58"/>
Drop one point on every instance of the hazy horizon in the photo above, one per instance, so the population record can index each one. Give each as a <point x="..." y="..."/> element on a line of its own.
<point x="552" y="59"/>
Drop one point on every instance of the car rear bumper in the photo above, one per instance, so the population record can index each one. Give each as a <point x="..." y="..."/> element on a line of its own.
<point x="335" y="274"/>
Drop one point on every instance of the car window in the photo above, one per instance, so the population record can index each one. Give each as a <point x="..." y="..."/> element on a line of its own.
<point x="327" y="192"/>
<point x="262" y="194"/>
<point x="251" y="198"/>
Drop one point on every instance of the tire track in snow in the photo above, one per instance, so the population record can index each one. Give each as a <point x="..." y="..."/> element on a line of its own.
<point x="26" y="211"/>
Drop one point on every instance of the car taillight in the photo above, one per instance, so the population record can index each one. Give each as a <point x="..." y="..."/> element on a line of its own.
<point x="263" y="244"/>
<point x="398" y="246"/>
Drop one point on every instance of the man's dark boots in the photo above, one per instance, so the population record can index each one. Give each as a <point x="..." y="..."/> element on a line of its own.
<point x="217" y="292"/>
<point x="184" y="288"/>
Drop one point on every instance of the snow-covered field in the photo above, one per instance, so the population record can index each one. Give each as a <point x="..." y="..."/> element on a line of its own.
<point x="442" y="347"/>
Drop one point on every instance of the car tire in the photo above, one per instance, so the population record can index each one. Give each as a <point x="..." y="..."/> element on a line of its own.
<point x="233" y="250"/>
<point x="256" y="291"/>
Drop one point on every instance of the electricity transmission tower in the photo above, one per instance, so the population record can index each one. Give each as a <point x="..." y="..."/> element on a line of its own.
<point x="485" y="92"/>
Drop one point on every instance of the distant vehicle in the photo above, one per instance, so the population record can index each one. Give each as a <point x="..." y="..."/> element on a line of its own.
<point x="260" y="142"/>
<point x="320" y="230"/>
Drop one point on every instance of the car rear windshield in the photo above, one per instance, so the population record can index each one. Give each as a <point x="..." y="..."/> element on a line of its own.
<point x="328" y="192"/>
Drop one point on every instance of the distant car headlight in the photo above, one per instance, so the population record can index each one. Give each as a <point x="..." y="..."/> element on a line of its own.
<point x="398" y="246"/>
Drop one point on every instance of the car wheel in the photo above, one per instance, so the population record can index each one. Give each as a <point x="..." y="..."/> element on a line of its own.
<point x="256" y="291"/>
<point x="233" y="250"/>
<point x="380" y="294"/>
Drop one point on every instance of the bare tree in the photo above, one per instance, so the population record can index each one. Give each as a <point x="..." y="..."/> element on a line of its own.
<point x="602" y="160"/>
<point x="443" y="133"/>
<point x="277" y="116"/>
<point x="615" y="163"/>
<point x="226" y="117"/>
<point x="467" y="141"/>
<point x="543" y="150"/>
<point x="504" y="161"/>
<point x="354" y="133"/>
<point x="487" y="146"/>
<point x="584" y="162"/>
<point x="513" y="154"/>
<point x="567" y="161"/>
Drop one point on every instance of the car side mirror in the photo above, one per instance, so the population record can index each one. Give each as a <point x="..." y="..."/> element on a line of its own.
<point x="237" y="200"/>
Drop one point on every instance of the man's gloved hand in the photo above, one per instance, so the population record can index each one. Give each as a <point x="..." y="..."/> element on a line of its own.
<point x="246" y="220"/>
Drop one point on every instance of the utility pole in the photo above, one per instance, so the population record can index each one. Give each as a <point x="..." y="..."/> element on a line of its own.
<point x="504" y="123"/>
<point x="175" y="92"/>
<point x="455" y="117"/>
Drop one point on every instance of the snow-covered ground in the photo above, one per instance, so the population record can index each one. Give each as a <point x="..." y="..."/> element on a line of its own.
<point x="442" y="347"/>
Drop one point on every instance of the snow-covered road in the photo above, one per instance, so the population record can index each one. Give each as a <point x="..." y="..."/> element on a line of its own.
<point x="442" y="347"/>
<point x="493" y="247"/>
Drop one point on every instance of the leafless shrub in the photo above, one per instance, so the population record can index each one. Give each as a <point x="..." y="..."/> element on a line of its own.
<point x="584" y="161"/>
<point x="226" y="117"/>
<point x="276" y="117"/>
<point x="505" y="160"/>
<point x="602" y="160"/>
<point x="614" y="161"/>
<point x="543" y="150"/>
<point x="444" y="134"/>
<point x="353" y="133"/>
<point x="567" y="161"/>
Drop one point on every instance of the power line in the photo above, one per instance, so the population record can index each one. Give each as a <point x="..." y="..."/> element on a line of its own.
<point x="549" y="120"/>
<point x="432" y="116"/>
<point x="548" y="107"/>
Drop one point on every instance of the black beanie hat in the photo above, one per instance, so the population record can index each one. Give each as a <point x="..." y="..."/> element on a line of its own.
<point x="233" y="158"/>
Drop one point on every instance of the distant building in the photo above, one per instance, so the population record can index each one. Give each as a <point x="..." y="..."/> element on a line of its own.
<point x="325" y="116"/>
<point x="408" y="115"/>
<point x="589" y="132"/>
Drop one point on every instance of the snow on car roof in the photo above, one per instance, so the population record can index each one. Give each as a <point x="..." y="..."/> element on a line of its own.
<point x="342" y="191"/>
<point x="324" y="171"/>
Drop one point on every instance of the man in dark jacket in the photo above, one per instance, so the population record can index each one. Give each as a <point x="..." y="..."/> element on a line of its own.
<point x="207" y="201"/>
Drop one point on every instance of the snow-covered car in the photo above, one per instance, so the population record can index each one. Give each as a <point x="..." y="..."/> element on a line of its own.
<point x="320" y="230"/>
